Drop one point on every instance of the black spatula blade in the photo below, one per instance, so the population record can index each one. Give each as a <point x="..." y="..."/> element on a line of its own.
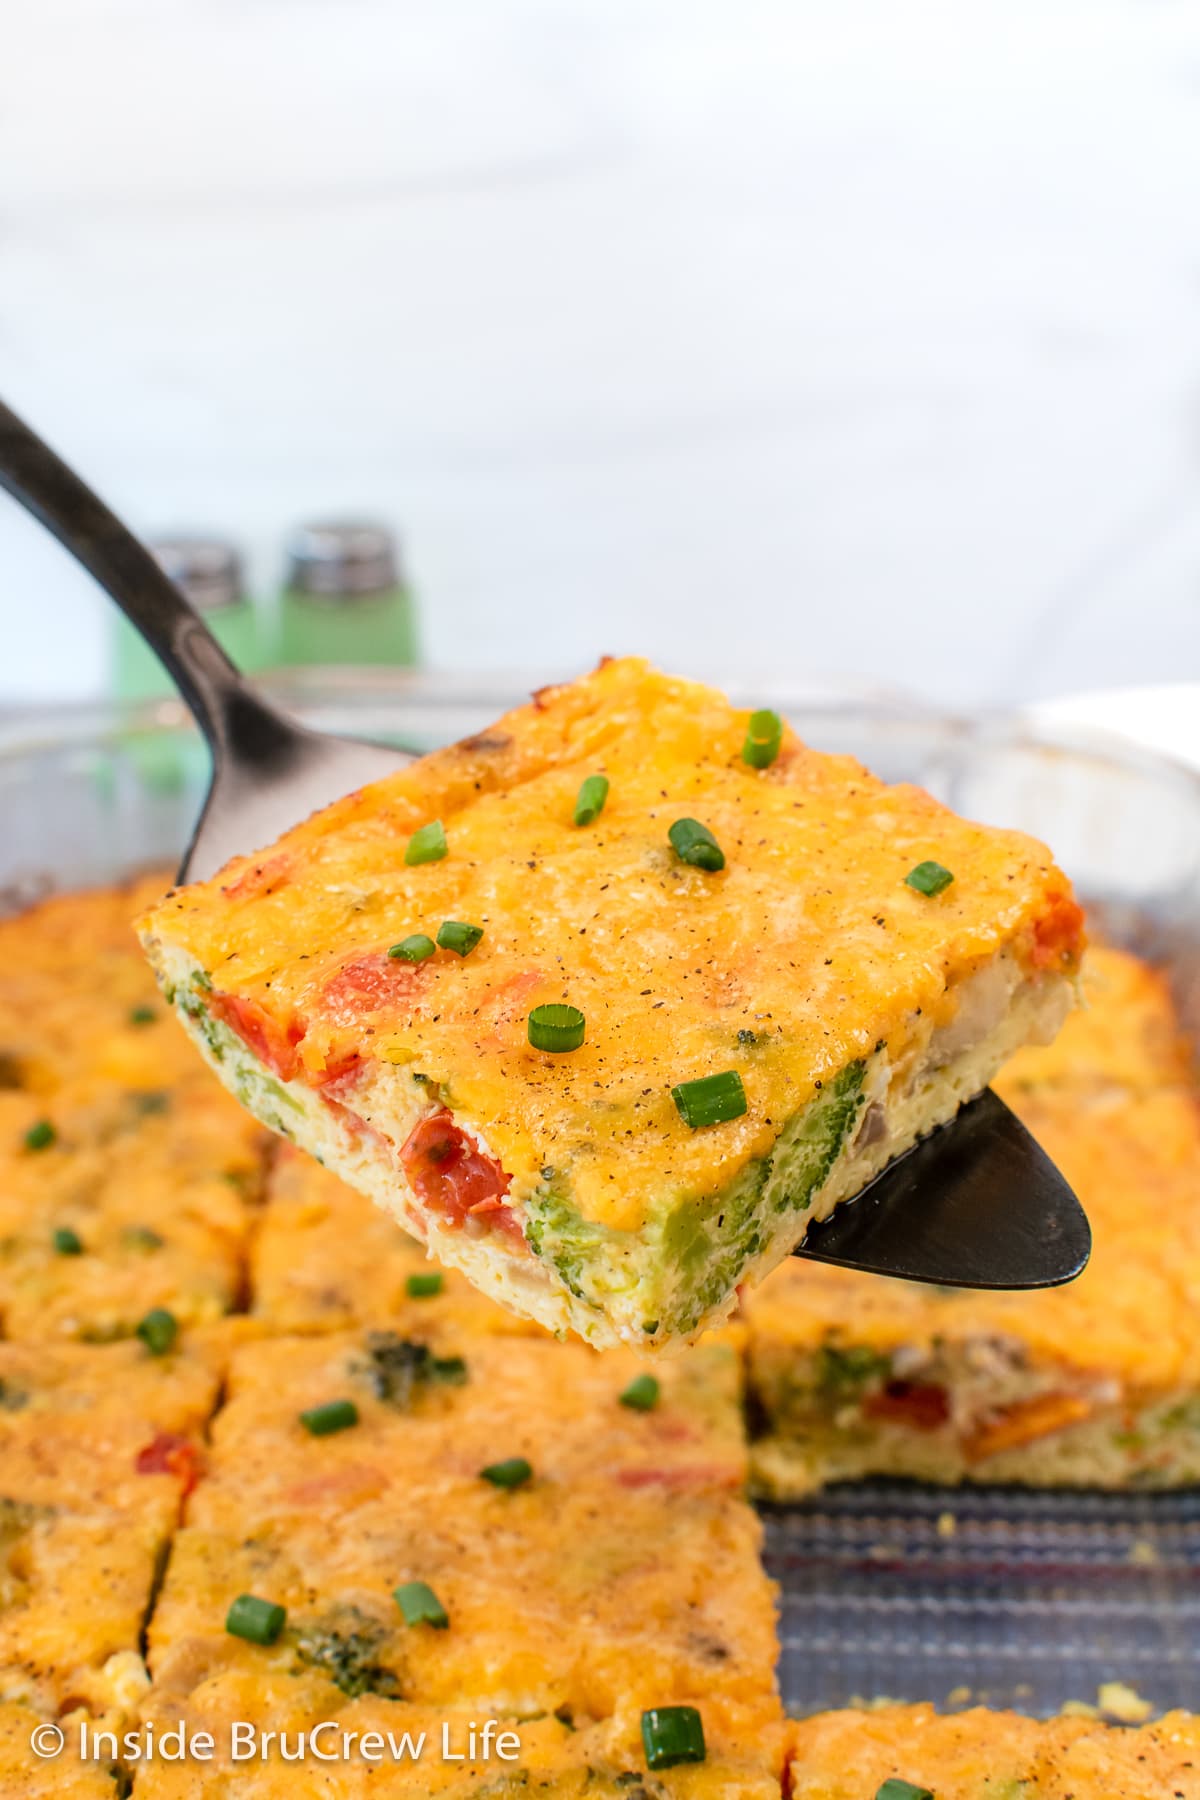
<point x="977" y="1204"/>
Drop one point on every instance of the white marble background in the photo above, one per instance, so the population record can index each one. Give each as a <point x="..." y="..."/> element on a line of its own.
<point x="791" y="335"/>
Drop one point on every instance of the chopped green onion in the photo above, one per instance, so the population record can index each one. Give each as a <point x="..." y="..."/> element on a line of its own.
<point x="513" y="1472"/>
<point x="427" y="844"/>
<point x="413" y="949"/>
<point x="40" y="1136"/>
<point x="590" y="802"/>
<point x="67" y="1242"/>
<point x="460" y="938"/>
<point x="556" y="1028"/>
<point x="420" y="1605"/>
<point x="424" y="1287"/>
<point x="333" y="1415"/>
<point x="928" y="878"/>
<point x="895" y="1789"/>
<point x="672" y="1735"/>
<point x="259" y="1621"/>
<point x="158" y="1330"/>
<point x="450" y="1369"/>
<point x="711" y="1100"/>
<point x="642" y="1393"/>
<point x="695" y="844"/>
<point x="142" y="1015"/>
<point x="763" y="738"/>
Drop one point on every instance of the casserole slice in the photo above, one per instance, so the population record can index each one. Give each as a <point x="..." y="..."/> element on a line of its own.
<point x="1095" y="1385"/>
<point x="125" y="1171"/>
<point x="609" y="1003"/>
<point x="98" y="1449"/>
<point x="588" y="1553"/>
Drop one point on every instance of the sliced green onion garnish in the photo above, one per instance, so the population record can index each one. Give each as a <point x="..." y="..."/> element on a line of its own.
<point x="928" y="878"/>
<point x="694" y="843"/>
<point x="428" y="844"/>
<point x="261" y="1621"/>
<point x="642" y="1393"/>
<point x="711" y="1100"/>
<point x="462" y="939"/>
<point x="763" y="738"/>
<point x="67" y="1242"/>
<point x="158" y="1330"/>
<point x="513" y="1472"/>
<point x="331" y="1416"/>
<point x="413" y="949"/>
<point x="142" y="1015"/>
<point x="420" y="1605"/>
<point x="424" y="1287"/>
<point x="556" y="1027"/>
<point x="450" y="1369"/>
<point x="895" y="1789"/>
<point x="590" y="801"/>
<point x="40" y="1136"/>
<point x="672" y="1735"/>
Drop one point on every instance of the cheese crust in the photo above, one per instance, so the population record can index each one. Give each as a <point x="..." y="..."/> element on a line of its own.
<point x="857" y="1011"/>
<point x="979" y="1755"/>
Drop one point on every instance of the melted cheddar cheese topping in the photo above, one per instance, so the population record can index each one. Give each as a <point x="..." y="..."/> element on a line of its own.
<point x="807" y="951"/>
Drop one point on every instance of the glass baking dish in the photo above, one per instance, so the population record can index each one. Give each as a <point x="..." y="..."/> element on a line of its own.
<point x="1026" y="1599"/>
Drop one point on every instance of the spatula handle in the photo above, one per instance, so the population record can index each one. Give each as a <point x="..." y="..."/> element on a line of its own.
<point x="221" y="703"/>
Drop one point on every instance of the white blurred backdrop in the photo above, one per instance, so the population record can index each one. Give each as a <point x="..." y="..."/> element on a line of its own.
<point x="858" y="336"/>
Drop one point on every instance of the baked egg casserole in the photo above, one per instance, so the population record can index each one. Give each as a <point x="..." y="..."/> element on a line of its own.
<point x="261" y="1461"/>
<point x="609" y="1003"/>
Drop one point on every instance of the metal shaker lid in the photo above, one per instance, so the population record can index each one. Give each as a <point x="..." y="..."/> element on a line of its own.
<point x="208" y="571"/>
<point x="342" y="558"/>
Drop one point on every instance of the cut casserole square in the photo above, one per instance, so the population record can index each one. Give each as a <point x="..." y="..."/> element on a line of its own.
<point x="854" y="1376"/>
<point x="98" y="1448"/>
<point x="610" y="1002"/>
<point x="588" y="1553"/>
<point x="125" y="1171"/>
<point x="516" y="1539"/>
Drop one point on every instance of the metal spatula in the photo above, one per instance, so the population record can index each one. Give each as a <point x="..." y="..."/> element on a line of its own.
<point x="977" y="1204"/>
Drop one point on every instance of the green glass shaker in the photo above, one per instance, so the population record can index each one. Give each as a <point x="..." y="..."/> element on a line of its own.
<point x="208" y="572"/>
<point x="345" y="600"/>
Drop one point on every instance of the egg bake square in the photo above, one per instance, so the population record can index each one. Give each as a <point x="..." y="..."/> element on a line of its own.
<point x="610" y="1002"/>
<point x="1096" y="1384"/>
<point x="506" y="1523"/>
<point x="97" y="1449"/>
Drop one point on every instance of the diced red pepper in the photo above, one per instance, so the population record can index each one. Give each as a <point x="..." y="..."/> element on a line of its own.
<point x="678" y="1478"/>
<point x="171" y="1454"/>
<point x="450" y="1174"/>
<point x="372" y="984"/>
<point x="272" y="1040"/>
<point x="923" y="1405"/>
<point x="1058" y="933"/>
<point x="340" y="1077"/>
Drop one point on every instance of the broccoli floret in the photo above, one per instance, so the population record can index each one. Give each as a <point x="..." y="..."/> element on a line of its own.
<point x="396" y="1367"/>
<point x="345" y="1647"/>
<point x="844" y="1372"/>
